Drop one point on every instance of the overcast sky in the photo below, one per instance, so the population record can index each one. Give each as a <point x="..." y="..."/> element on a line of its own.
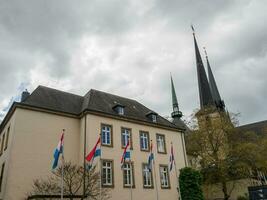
<point x="129" y="48"/>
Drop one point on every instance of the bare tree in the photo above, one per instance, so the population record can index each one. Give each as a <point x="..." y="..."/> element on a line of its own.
<point x="73" y="183"/>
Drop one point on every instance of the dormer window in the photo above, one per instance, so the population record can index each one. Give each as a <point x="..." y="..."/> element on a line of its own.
<point x="152" y="116"/>
<point x="119" y="109"/>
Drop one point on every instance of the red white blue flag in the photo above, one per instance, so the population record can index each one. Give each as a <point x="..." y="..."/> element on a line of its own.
<point x="171" y="158"/>
<point x="150" y="157"/>
<point x="95" y="152"/>
<point x="126" y="154"/>
<point x="58" y="151"/>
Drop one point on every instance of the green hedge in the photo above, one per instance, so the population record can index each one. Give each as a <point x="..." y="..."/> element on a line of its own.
<point x="190" y="181"/>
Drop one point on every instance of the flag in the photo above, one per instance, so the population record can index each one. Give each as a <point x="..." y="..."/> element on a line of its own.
<point x="150" y="157"/>
<point x="171" y="158"/>
<point x="58" y="151"/>
<point x="126" y="154"/>
<point x="95" y="152"/>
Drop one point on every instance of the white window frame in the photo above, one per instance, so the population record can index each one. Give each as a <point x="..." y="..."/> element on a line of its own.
<point x="2" y="176"/>
<point x="154" y="118"/>
<point x="107" y="173"/>
<point x="144" y="141"/>
<point x="161" y="143"/>
<point x="126" y="135"/>
<point x="120" y="110"/>
<point x="147" y="176"/>
<point x="127" y="174"/>
<point x="164" y="177"/>
<point x="105" y="132"/>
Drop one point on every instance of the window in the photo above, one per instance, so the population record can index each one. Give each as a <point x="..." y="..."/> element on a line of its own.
<point x="106" y="135"/>
<point x="125" y="136"/>
<point x="161" y="143"/>
<point x="154" y="118"/>
<point x="107" y="173"/>
<point x="7" y="136"/>
<point x="120" y="110"/>
<point x="144" y="141"/>
<point x="147" y="176"/>
<point x="128" y="174"/>
<point x="164" y="176"/>
<point x="1" y="176"/>
<point x="2" y="143"/>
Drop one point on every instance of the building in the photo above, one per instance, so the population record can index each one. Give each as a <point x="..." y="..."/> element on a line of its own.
<point x="31" y="129"/>
<point x="213" y="108"/>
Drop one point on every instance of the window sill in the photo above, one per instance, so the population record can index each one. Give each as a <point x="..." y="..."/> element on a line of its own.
<point x="128" y="186"/>
<point x="107" y="186"/>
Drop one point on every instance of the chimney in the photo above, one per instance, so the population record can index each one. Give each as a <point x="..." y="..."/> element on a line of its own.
<point x="24" y="95"/>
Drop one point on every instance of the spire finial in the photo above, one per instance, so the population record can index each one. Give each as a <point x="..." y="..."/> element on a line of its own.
<point x="205" y="51"/>
<point x="192" y="27"/>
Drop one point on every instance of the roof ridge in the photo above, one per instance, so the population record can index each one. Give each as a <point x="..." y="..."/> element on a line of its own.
<point x="41" y="86"/>
<point x="254" y="123"/>
<point x="113" y="95"/>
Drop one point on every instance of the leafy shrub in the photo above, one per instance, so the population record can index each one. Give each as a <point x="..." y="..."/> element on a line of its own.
<point x="190" y="182"/>
<point x="242" y="197"/>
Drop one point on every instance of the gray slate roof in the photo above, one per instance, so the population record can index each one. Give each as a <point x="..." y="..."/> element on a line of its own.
<point x="94" y="100"/>
<point x="257" y="127"/>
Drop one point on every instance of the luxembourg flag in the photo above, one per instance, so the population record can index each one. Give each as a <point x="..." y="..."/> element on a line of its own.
<point x="171" y="158"/>
<point x="58" y="151"/>
<point x="95" y="152"/>
<point x="150" y="157"/>
<point x="126" y="154"/>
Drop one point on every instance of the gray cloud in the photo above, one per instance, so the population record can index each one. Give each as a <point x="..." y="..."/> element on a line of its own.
<point x="130" y="47"/>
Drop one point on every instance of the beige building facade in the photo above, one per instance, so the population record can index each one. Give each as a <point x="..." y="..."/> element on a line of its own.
<point x="31" y="130"/>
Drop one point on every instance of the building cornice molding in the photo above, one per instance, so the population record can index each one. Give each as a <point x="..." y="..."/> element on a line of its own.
<point x="79" y="116"/>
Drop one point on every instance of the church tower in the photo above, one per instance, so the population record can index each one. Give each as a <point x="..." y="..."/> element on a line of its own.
<point x="208" y="91"/>
<point x="205" y="95"/>
<point x="211" y="105"/>
<point x="219" y="103"/>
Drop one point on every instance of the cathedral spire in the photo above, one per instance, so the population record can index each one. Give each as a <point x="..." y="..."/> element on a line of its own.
<point x="176" y="112"/>
<point x="213" y="86"/>
<point x="203" y="84"/>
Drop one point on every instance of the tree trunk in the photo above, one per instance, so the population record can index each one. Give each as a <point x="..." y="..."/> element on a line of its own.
<point x="225" y="192"/>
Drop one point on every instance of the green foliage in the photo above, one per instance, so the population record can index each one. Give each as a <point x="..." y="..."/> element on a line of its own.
<point x="190" y="182"/>
<point x="225" y="153"/>
<point x="242" y="197"/>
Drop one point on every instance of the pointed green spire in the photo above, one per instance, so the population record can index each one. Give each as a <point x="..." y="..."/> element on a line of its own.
<point x="175" y="106"/>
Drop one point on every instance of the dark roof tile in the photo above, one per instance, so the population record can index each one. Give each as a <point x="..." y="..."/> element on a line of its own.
<point x="257" y="127"/>
<point x="94" y="100"/>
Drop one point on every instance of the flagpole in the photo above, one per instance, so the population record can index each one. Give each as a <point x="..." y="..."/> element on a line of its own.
<point x="176" y="174"/>
<point x="131" y="173"/>
<point x="84" y="155"/>
<point x="62" y="167"/>
<point x="154" y="170"/>
<point x="100" y="170"/>
<point x="177" y="178"/>
<point x="156" y="184"/>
